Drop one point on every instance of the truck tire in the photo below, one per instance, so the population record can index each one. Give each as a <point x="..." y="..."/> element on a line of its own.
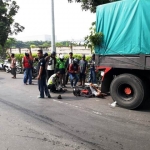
<point x="127" y="90"/>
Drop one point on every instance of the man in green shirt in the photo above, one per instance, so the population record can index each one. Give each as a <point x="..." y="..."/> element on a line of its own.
<point x="61" y="68"/>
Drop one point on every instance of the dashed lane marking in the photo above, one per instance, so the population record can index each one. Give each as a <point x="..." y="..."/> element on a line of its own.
<point x="76" y="106"/>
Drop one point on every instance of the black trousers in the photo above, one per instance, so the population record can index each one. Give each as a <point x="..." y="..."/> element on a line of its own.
<point x="13" y="71"/>
<point x="43" y="87"/>
<point x="67" y="77"/>
<point x="49" y="73"/>
<point x="52" y="87"/>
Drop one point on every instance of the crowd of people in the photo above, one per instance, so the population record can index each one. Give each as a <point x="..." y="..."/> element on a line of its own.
<point x="53" y="73"/>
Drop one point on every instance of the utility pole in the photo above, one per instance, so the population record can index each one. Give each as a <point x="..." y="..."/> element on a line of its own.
<point x="53" y="27"/>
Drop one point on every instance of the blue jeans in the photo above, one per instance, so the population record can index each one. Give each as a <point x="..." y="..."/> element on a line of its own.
<point x="73" y="77"/>
<point x="43" y="87"/>
<point x="92" y="76"/>
<point x="28" y="75"/>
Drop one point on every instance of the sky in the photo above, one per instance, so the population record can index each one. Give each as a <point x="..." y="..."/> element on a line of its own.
<point x="71" y="23"/>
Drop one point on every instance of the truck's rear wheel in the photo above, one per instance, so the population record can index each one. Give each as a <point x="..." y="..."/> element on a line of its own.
<point x="127" y="90"/>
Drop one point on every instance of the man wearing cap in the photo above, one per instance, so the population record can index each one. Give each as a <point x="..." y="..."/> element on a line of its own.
<point x="68" y="62"/>
<point x="83" y="69"/>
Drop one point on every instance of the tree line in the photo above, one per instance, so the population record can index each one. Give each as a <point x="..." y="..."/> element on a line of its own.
<point x="12" y="43"/>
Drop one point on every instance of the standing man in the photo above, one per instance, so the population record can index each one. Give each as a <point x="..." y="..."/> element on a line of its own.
<point x="42" y="76"/>
<point x="50" y="65"/>
<point x="73" y="72"/>
<point x="27" y="64"/>
<point x="92" y="69"/>
<point x="68" y="62"/>
<point x="62" y="69"/>
<point x="83" y="69"/>
<point x="13" y="65"/>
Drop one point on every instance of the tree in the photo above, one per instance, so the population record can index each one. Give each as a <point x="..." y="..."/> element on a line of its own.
<point x="8" y="26"/>
<point x="94" y="39"/>
<point x="32" y="46"/>
<point x="46" y="45"/>
<point x="10" y="43"/>
<point x="59" y="44"/>
<point x="91" y="4"/>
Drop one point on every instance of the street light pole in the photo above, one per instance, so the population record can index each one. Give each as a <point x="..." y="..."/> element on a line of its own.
<point x="53" y="27"/>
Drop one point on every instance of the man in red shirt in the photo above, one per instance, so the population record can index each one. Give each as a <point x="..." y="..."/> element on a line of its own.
<point x="27" y="62"/>
<point x="73" y="72"/>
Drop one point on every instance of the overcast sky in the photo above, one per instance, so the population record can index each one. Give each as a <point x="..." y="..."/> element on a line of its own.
<point x="71" y="22"/>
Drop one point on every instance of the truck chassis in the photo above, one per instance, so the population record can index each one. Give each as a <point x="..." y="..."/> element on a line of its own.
<point x="126" y="77"/>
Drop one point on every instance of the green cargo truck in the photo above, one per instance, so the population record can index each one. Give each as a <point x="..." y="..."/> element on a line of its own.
<point x="124" y="54"/>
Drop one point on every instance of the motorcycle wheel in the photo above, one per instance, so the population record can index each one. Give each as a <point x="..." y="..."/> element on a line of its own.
<point x="7" y="70"/>
<point x="18" y="70"/>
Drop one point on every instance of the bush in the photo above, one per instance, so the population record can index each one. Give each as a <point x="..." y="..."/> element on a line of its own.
<point x="78" y="56"/>
<point x="19" y="58"/>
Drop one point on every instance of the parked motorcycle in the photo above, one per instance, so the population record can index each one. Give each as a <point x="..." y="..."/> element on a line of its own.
<point x="18" y="69"/>
<point x="34" y="72"/>
<point x="7" y="68"/>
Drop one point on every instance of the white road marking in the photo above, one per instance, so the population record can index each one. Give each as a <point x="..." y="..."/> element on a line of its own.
<point x="95" y="112"/>
<point x="75" y="106"/>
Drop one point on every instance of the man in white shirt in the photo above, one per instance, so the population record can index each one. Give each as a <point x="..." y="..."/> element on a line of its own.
<point x="50" y="65"/>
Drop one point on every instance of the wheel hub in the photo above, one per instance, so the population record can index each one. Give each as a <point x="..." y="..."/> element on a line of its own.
<point x="127" y="90"/>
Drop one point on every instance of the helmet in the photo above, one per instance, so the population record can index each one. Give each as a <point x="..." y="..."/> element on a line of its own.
<point x="75" y="61"/>
<point x="76" y="92"/>
<point x="45" y="54"/>
<point x="59" y="97"/>
<point x="53" y="53"/>
<point x="61" y="56"/>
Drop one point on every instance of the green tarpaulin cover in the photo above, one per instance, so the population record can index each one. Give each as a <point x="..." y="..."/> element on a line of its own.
<point x="126" y="27"/>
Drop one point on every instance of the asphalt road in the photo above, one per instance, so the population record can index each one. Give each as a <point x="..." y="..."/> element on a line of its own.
<point x="72" y="123"/>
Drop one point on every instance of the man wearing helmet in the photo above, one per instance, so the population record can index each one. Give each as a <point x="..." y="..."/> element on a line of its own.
<point x="61" y="68"/>
<point x="50" y="64"/>
<point x="73" y="72"/>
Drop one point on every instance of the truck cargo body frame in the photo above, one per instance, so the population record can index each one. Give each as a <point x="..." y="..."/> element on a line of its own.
<point x="114" y="65"/>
